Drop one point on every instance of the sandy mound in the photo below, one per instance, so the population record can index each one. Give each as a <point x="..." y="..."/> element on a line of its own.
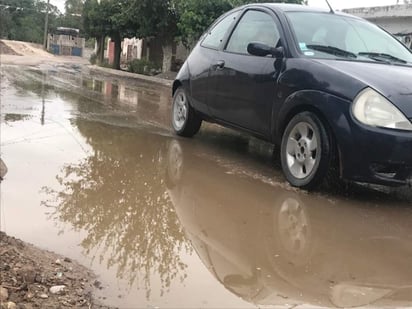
<point x="6" y="50"/>
<point x="25" y="49"/>
<point x="23" y="53"/>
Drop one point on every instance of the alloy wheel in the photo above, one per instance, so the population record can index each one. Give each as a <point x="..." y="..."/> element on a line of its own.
<point x="180" y="111"/>
<point x="302" y="150"/>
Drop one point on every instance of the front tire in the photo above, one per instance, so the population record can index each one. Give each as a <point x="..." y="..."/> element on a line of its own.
<point x="307" y="151"/>
<point x="185" y="121"/>
<point x="175" y="164"/>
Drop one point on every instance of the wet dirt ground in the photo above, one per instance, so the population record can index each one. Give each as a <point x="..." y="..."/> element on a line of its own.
<point x="95" y="174"/>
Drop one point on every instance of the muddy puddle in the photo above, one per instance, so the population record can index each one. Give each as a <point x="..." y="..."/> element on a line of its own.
<point x="96" y="175"/>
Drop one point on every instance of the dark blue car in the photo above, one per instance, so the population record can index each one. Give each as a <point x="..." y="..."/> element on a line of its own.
<point x="332" y="90"/>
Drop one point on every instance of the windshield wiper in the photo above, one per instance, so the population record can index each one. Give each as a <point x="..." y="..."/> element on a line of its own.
<point x="332" y="50"/>
<point x="382" y="57"/>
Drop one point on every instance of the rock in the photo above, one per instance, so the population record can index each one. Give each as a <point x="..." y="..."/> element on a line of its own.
<point x="39" y="278"/>
<point x="67" y="260"/>
<point x="70" y="276"/>
<point x="58" y="262"/>
<point x="97" y="284"/>
<point x="11" y="305"/>
<point x="57" y="289"/>
<point x="28" y="274"/>
<point x="5" y="267"/>
<point x="44" y="296"/>
<point x="4" y="294"/>
<point x="79" y="292"/>
<point x="3" y="169"/>
<point x="14" y="297"/>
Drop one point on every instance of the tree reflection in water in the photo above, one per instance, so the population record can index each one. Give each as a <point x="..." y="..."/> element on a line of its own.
<point x="118" y="196"/>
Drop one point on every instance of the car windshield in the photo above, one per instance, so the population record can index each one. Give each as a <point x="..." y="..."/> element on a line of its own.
<point x="326" y="35"/>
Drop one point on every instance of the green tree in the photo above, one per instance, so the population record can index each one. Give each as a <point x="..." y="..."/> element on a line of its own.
<point x="74" y="6"/>
<point x="123" y="25"/>
<point x="195" y="16"/>
<point x="95" y="24"/>
<point x="108" y="18"/>
<point x="156" y="18"/>
<point x="73" y="15"/>
<point x="23" y="20"/>
<point x="167" y="20"/>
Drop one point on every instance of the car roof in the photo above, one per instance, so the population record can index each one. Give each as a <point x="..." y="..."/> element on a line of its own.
<point x="289" y="7"/>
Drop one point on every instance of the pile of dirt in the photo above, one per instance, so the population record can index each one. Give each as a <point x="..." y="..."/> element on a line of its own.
<point x="34" y="278"/>
<point x="6" y="50"/>
<point x="27" y="49"/>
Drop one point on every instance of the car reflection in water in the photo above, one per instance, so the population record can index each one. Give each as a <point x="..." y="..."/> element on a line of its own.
<point x="274" y="246"/>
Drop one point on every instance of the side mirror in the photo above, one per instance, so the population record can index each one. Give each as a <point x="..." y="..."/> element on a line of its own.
<point x="262" y="50"/>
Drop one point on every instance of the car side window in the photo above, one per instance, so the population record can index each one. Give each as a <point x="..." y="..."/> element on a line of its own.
<point x="214" y="37"/>
<point x="255" y="26"/>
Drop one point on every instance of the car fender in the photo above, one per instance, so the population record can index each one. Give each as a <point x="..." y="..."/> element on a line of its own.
<point x="332" y="110"/>
<point x="182" y="79"/>
<point x="320" y="102"/>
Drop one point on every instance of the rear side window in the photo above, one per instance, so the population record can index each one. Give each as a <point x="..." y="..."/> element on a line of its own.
<point x="214" y="37"/>
<point x="255" y="26"/>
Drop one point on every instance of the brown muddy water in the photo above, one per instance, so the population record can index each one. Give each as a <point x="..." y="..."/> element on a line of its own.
<point x="96" y="174"/>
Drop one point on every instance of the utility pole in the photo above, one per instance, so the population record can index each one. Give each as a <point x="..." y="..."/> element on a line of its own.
<point x="46" y="25"/>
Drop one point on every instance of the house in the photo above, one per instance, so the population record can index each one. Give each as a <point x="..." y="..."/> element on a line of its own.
<point x="150" y="49"/>
<point x="396" y="19"/>
<point x="66" y="41"/>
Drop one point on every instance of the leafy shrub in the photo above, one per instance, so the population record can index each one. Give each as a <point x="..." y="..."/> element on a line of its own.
<point x="93" y="58"/>
<point x="106" y="64"/>
<point x="90" y="43"/>
<point x="143" y="66"/>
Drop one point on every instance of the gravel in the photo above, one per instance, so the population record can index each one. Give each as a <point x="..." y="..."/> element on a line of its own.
<point x="31" y="278"/>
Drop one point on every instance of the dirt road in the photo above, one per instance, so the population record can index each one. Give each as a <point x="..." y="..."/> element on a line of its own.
<point x="28" y="274"/>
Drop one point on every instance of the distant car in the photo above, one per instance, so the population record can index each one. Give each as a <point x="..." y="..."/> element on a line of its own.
<point x="332" y="90"/>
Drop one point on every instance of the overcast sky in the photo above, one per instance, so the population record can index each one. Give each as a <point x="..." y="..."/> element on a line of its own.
<point x="336" y="4"/>
<point x="346" y="4"/>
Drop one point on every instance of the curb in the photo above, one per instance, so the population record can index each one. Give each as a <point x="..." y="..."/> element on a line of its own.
<point x="151" y="79"/>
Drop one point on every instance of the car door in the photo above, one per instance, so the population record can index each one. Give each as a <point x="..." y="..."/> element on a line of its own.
<point x="245" y="85"/>
<point x="203" y="58"/>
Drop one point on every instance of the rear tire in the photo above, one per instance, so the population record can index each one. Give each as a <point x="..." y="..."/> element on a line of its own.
<point x="307" y="151"/>
<point x="185" y="121"/>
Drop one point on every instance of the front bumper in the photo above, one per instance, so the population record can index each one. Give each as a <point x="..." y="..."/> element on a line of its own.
<point x="380" y="156"/>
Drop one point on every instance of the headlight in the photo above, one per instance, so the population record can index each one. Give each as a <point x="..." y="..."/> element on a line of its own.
<point x="372" y="109"/>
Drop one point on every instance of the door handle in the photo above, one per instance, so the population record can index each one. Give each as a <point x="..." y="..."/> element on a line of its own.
<point x="220" y="65"/>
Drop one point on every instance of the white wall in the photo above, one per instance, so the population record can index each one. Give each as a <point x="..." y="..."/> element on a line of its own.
<point x="395" y="24"/>
<point x="404" y="10"/>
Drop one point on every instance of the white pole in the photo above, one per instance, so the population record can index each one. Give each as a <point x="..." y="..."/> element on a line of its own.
<point x="46" y="24"/>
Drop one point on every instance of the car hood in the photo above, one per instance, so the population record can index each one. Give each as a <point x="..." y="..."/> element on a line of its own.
<point x="392" y="81"/>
